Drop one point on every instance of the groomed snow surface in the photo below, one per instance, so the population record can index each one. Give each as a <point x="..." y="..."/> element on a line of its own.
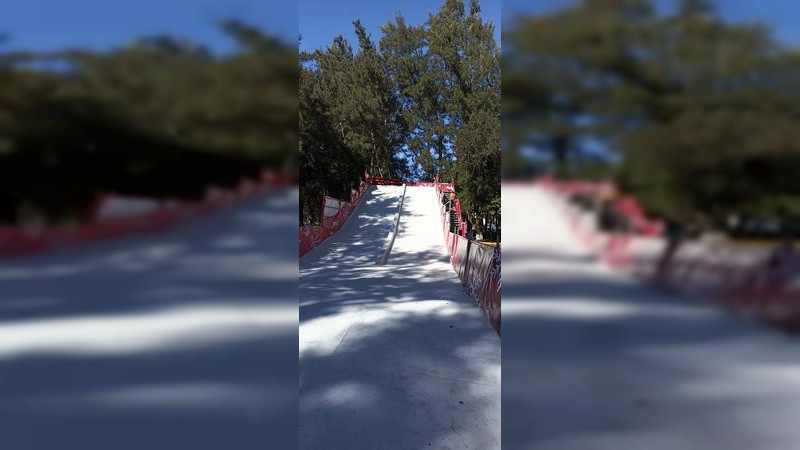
<point x="595" y="361"/>
<point x="393" y="356"/>
<point x="182" y="339"/>
<point x="185" y="340"/>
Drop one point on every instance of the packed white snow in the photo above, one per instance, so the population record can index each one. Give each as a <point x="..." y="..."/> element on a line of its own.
<point x="394" y="356"/>
<point x="595" y="361"/>
<point x="179" y="339"/>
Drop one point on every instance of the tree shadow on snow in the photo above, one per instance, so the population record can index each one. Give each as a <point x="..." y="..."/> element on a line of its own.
<point x="599" y="361"/>
<point x="175" y="339"/>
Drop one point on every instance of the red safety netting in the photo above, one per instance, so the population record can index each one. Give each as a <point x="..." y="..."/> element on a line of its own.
<point x="15" y="241"/>
<point x="624" y="204"/>
<point x="631" y="208"/>
<point x="380" y="181"/>
<point x="333" y="217"/>
<point x="477" y="265"/>
<point x="759" y="283"/>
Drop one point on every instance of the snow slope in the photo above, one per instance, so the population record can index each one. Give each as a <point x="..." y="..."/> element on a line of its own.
<point x="393" y="356"/>
<point x="593" y="360"/>
<point x="182" y="339"/>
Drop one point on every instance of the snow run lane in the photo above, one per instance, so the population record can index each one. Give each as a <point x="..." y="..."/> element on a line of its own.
<point x="182" y="339"/>
<point x="394" y="356"/>
<point x="595" y="361"/>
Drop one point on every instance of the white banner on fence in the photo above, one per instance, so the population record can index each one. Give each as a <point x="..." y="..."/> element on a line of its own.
<point x="332" y="207"/>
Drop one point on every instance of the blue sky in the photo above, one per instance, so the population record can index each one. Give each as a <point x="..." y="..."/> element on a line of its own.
<point x="781" y="14"/>
<point x="51" y="24"/>
<point x="100" y="24"/>
<point x="322" y="20"/>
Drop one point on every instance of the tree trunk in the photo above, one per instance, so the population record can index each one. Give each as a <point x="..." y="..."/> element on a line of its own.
<point x="560" y="147"/>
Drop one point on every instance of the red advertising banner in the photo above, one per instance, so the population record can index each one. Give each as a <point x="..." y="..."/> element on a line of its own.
<point x="477" y="265"/>
<point x="482" y="279"/>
